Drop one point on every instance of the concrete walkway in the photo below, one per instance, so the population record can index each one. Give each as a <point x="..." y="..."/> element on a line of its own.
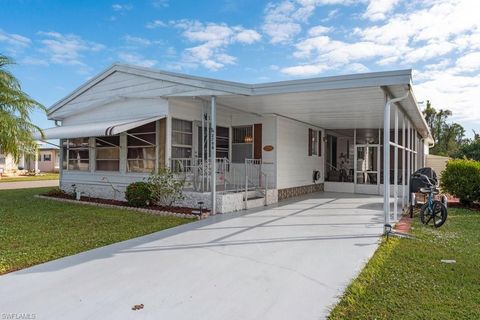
<point x="286" y="262"/>
<point x="28" y="184"/>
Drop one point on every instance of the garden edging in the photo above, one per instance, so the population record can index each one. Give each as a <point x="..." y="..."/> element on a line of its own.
<point x="103" y="205"/>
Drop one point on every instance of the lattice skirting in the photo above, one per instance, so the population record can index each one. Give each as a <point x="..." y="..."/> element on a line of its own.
<point x="299" y="191"/>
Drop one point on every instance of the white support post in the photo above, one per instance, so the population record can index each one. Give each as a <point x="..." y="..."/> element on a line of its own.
<point x="36" y="161"/>
<point x="386" y="159"/>
<point x="168" y="143"/>
<point x="213" y="152"/>
<point x="203" y="147"/>
<point x="386" y="165"/>
<point x="395" y="170"/>
<point x="409" y="157"/>
<point x="404" y="171"/>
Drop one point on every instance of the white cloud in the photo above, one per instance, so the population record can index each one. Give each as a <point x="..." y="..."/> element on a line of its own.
<point x="283" y="21"/>
<point x="155" y="24"/>
<point x="468" y="63"/>
<point x="136" y="59"/>
<point x="306" y="70"/>
<point x="455" y="92"/>
<point x="137" y="41"/>
<point x="279" y="22"/>
<point x="378" y="9"/>
<point x="14" y="42"/>
<point x="214" y="39"/>
<point x="423" y="34"/>
<point x="66" y="49"/>
<point x="318" y="30"/>
<point x="34" y="61"/>
<point x="160" y="3"/>
<point x="248" y="36"/>
<point x="121" y="7"/>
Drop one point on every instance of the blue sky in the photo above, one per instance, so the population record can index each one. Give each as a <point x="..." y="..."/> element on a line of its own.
<point x="58" y="45"/>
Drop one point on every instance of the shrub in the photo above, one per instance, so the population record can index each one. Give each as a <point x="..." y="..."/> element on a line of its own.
<point x="165" y="188"/>
<point x="138" y="194"/>
<point x="461" y="178"/>
<point x="56" y="192"/>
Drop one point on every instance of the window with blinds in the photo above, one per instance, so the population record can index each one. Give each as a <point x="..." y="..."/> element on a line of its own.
<point x="182" y="138"/>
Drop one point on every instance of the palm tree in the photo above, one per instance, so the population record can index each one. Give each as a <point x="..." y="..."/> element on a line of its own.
<point x="15" y="106"/>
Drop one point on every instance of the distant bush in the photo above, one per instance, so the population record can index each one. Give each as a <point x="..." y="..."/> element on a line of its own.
<point x="139" y="194"/>
<point x="461" y="178"/>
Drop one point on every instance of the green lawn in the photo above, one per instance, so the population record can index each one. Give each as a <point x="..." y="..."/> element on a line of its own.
<point x="43" y="176"/>
<point x="35" y="230"/>
<point x="406" y="280"/>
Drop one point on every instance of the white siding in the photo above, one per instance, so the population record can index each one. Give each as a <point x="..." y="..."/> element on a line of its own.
<point x="294" y="166"/>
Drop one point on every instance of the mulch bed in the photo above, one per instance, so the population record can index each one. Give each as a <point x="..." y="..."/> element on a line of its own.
<point x="404" y="224"/>
<point x="181" y="210"/>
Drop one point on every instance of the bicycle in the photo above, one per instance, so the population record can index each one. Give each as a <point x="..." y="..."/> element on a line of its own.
<point x="433" y="210"/>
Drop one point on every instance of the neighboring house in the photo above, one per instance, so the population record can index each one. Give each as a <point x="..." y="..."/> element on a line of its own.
<point x="48" y="160"/>
<point x="289" y="137"/>
<point x="8" y="165"/>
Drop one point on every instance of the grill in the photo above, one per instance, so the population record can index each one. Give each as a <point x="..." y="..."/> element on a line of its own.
<point x="417" y="181"/>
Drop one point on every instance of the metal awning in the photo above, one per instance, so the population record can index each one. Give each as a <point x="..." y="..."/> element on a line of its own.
<point x="97" y="129"/>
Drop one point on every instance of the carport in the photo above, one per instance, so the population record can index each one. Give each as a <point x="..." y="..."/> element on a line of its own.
<point x="379" y="109"/>
<point x="289" y="261"/>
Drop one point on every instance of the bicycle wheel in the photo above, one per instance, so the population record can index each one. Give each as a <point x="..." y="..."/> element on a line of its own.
<point x="437" y="215"/>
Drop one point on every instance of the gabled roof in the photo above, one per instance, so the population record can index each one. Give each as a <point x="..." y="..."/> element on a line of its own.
<point x="373" y="79"/>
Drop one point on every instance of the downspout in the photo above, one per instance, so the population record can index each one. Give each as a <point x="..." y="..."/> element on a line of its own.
<point x="386" y="160"/>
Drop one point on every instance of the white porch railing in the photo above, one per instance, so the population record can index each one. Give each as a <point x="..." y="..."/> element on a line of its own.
<point x="231" y="177"/>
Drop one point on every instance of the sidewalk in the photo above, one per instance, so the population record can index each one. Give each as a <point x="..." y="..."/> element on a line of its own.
<point x="28" y="184"/>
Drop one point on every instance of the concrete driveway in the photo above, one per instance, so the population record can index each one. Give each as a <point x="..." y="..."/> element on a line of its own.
<point x="286" y="262"/>
<point x="28" y="184"/>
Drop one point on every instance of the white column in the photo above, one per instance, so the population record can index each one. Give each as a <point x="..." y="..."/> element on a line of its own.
<point x="168" y="142"/>
<point x="36" y="161"/>
<point x="409" y="157"/>
<point x="213" y="153"/>
<point x="386" y="163"/>
<point x="404" y="171"/>
<point x="395" y="170"/>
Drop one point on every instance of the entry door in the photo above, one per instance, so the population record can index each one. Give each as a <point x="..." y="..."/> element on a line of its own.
<point x="367" y="173"/>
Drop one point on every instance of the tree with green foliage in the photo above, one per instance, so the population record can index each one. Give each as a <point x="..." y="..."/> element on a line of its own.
<point x="447" y="136"/>
<point x="469" y="149"/>
<point x="16" y="127"/>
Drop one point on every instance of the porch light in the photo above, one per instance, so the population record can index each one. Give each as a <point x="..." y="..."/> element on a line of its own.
<point x="248" y="139"/>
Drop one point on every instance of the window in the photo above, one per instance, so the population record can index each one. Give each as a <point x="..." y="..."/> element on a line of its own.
<point x="313" y="142"/>
<point x="182" y="138"/>
<point x="47" y="157"/>
<point x="76" y="154"/>
<point x="141" y="148"/>
<point x="107" y="153"/>
<point x="242" y="144"/>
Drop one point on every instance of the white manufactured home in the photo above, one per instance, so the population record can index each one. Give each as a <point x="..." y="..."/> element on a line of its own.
<point x="242" y="145"/>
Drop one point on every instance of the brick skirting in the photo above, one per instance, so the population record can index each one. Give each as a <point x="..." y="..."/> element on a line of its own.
<point x="299" y="191"/>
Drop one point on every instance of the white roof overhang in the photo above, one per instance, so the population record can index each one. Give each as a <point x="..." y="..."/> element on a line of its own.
<point x="98" y="129"/>
<point x="338" y="102"/>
